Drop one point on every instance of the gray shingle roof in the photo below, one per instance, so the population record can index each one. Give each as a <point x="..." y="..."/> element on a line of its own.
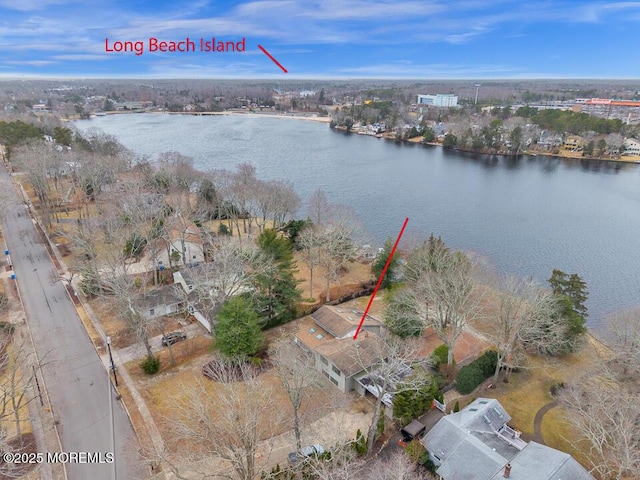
<point x="469" y="447"/>
<point x="539" y="462"/>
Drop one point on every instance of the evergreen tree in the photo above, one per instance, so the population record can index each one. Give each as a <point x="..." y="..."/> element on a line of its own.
<point x="401" y="317"/>
<point x="571" y="294"/>
<point x="410" y="403"/>
<point x="572" y="286"/>
<point x="380" y="262"/>
<point x="429" y="135"/>
<point x="276" y="284"/>
<point x="237" y="333"/>
<point x="450" y="141"/>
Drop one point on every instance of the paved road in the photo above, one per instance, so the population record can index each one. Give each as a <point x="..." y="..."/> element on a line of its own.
<point x="75" y="378"/>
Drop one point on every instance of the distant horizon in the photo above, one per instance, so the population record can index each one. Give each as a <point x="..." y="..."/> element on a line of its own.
<point x="322" y="39"/>
<point x="328" y="79"/>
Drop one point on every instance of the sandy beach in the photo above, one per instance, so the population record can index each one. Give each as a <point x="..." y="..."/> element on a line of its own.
<point x="290" y="116"/>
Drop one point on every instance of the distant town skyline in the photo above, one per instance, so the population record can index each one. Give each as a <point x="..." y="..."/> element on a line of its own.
<point x="323" y="39"/>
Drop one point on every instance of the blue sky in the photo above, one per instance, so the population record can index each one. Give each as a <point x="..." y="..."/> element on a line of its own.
<point x="326" y="38"/>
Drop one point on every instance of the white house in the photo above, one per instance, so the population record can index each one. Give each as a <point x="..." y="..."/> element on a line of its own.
<point x="184" y="246"/>
<point x="478" y="443"/>
<point x="631" y="147"/>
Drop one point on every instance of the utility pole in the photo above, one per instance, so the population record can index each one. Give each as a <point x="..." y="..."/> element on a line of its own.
<point x="113" y="365"/>
<point x="111" y="393"/>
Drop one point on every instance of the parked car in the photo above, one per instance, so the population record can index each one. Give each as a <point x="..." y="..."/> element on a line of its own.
<point x="173" y="337"/>
<point x="306" y="452"/>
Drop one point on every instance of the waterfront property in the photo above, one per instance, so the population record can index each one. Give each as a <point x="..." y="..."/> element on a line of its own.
<point x="328" y="335"/>
<point x="478" y="443"/>
<point x="631" y="147"/>
<point x="456" y="195"/>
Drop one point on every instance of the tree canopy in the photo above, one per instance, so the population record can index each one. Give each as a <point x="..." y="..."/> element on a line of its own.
<point x="276" y="285"/>
<point x="380" y="262"/>
<point x="238" y="334"/>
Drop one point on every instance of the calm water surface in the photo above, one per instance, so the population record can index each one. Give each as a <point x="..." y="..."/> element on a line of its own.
<point x="527" y="215"/>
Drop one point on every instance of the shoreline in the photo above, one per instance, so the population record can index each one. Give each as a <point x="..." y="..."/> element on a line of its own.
<point x="528" y="153"/>
<point x="292" y="116"/>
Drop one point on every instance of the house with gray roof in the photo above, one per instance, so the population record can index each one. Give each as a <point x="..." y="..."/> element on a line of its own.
<point x="477" y="443"/>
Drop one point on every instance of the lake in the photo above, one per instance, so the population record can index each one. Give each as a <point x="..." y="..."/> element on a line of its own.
<point x="527" y="215"/>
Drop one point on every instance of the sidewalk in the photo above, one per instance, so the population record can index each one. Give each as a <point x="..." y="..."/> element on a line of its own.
<point x="151" y="427"/>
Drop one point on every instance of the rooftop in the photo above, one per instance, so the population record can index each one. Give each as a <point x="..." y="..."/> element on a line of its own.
<point x="342" y="322"/>
<point x="351" y="356"/>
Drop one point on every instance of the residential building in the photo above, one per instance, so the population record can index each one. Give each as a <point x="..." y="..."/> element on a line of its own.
<point x="477" y="443"/>
<point x="631" y="147"/>
<point x="184" y="246"/>
<point x="166" y="300"/>
<point x="439" y="100"/>
<point x="328" y="335"/>
<point x="573" y="143"/>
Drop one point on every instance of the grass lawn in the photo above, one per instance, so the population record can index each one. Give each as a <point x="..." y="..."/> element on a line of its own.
<point x="529" y="390"/>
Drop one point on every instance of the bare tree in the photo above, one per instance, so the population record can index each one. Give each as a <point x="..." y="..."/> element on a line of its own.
<point x="318" y="207"/>
<point x="622" y="335"/>
<point x="311" y="242"/>
<point x="39" y="163"/>
<point x="603" y="404"/>
<point x="227" y="422"/>
<point x="524" y="307"/>
<point x="340" y="238"/>
<point x="18" y="365"/>
<point x="441" y="288"/>
<point x="296" y="371"/>
<point x="386" y="359"/>
<point x="605" y="412"/>
<point x="231" y="272"/>
<point x="345" y="465"/>
<point x="181" y="174"/>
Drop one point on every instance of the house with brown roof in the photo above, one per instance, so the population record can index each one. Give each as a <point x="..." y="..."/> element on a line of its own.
<point x="328" y="335"/>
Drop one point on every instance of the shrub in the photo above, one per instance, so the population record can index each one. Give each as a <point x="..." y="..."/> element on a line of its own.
<point x="439" y="356"/>
<point x="469" y="378"/>
<point x="409" y="404"/>
<point x="416" y="452"/>
<point x="257" y="362"/>
<point x="456" y="407"/>
<point x="359" y="444"/>
<point x="487" y="362"/>
<point x="380" y="425"/>
<point x="476" y="372"/>
<point x="555" y="388"/>
<point x="150" y="365"/>
<point x="223" y="230"/>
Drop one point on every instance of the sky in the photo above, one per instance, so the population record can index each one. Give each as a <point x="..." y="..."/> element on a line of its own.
<point x="323" y="39"/>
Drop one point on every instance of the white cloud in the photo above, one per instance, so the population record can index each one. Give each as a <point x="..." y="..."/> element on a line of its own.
<point x="83" y="56"/>
<point x="33" y="63"/>
<point x="30" y="5"/>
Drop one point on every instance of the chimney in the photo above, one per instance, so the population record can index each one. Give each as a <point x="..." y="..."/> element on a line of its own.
<point x="507" y="470"/>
